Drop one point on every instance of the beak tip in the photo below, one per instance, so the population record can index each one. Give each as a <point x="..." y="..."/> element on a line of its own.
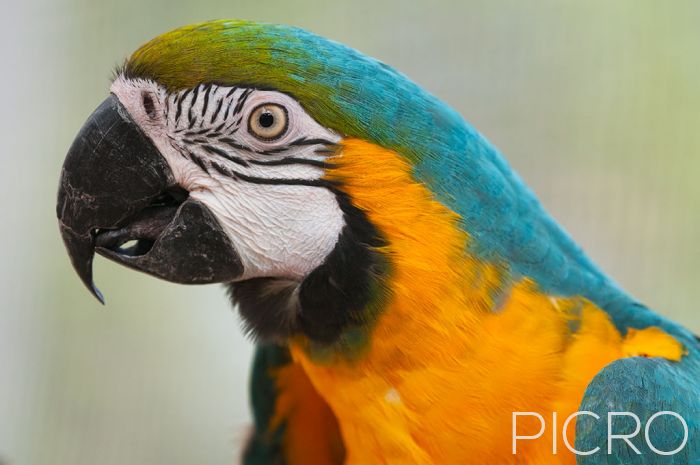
<point x="81" y="252"/>
<point x="98" y="295"/>
<point x="90" y="284"/>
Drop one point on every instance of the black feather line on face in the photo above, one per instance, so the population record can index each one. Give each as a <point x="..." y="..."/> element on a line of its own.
<point x="179" y="111"/>
<point x="222" y="153"/>
<point x="332" y="299"/>
<point x="199" y="162"/>
<point x="293" y="161"/>
<point x="216" y="111"/>
<point x="281" y="181"/>
<point x="273" y="151"/>
<point x="207" y="91"/>
<point x="241" y="101"/>
<point x="233" y="144"/>
<point x="330" y="147"/>
<point x="304" y="141"/>
<point x="195" y="93"/>
<point x="194" y="133"/>
<point x="228" y="108"/>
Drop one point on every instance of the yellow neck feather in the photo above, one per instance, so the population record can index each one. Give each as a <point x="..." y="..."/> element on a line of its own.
<point x="423" y="236"/>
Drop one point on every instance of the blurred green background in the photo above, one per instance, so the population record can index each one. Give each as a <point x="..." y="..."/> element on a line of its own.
<point x="595" y="103"/>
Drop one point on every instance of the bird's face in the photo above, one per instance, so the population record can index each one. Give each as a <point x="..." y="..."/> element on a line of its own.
<point x="212" y="183"/>
<point x="254" y="159"/>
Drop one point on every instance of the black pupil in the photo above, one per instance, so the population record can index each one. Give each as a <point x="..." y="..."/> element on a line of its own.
<point x="266" y="119"/>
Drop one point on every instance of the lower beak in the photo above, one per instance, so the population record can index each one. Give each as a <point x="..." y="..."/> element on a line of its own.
<point x="117" y="196"/>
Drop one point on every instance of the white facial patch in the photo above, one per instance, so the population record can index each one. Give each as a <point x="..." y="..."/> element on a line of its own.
<point x="267" y="193"/>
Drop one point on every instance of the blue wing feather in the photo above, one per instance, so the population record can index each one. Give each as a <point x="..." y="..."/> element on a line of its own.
<point x="645" y="386"/>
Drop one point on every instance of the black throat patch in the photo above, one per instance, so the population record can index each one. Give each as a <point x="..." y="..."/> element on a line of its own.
<point x="332" y="298"/>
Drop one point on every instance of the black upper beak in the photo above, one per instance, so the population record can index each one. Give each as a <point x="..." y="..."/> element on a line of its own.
<point x="117" y="194"/>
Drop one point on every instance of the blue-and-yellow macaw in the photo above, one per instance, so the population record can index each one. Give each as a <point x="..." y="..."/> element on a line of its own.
<point x="411" y="300"/>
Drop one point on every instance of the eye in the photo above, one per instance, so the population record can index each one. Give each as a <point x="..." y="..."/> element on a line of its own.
<point x="268" y="121"/>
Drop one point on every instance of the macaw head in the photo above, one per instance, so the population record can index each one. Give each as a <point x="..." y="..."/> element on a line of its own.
<point x="287" y="165"/>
